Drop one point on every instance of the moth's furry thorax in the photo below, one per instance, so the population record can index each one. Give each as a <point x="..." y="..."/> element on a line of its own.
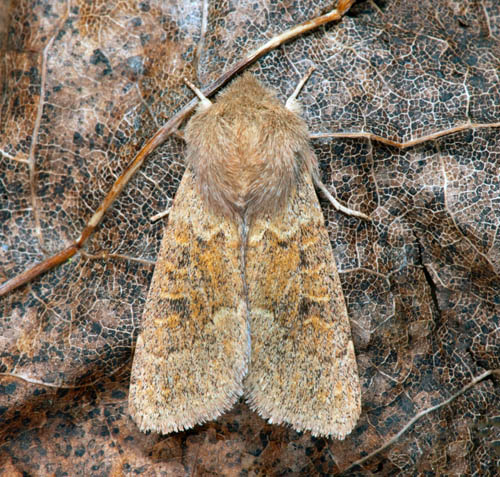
<point x="247" y="150"/>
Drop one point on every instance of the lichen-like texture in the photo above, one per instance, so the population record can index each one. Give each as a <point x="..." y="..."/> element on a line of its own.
<point x="85" y="84"/>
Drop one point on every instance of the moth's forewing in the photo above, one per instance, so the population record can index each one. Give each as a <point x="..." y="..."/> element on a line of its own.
<point x="303" y="368"/>
<point x="193" y="351"/>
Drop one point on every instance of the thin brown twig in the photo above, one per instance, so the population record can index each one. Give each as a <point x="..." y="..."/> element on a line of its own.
<point x="160" y="136"/>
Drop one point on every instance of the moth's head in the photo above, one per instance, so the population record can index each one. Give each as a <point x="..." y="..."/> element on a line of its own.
<point x="247" y="148"/>
<point x="247" y="97"/>
<point x="248" y="91"/>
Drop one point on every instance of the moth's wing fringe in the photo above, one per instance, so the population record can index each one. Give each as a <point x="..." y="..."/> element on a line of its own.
<point x="303" y="368"/>
<point x="193" y="352"/>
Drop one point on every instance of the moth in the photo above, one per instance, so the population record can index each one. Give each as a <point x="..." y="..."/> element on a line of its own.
<point x="245" y="297"/>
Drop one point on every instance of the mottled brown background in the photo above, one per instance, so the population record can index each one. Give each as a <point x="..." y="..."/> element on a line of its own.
<point x="85" y="84"/>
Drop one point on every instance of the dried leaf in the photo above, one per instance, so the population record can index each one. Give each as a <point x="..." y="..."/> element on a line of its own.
<point x="86" y="84"/>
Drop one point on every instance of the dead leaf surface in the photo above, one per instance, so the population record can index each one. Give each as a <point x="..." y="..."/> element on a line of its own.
<point x="85" y="84"/>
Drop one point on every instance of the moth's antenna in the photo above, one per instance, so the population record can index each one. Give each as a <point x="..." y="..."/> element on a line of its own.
<point x="203" y="99"/>
<point x="290" y="102"/>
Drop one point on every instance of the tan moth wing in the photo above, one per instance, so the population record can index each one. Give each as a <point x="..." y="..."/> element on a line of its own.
<point x="193" y="352"/>
<point x="303" y="368"/>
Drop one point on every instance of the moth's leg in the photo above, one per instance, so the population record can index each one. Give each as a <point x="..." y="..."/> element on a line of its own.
<point x="160" y="215"/>
<point x="292" y="105"/>
<point x="336" y="203"/>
